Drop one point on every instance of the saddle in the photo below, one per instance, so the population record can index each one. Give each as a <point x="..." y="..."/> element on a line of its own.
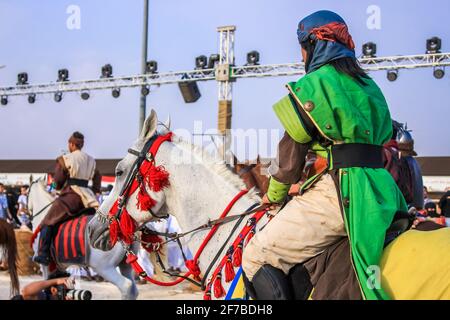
<point x="69" y="245"/>
<point x="330" y="274"/>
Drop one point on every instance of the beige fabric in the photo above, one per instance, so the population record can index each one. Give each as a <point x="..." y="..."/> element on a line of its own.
<point x="304" y="228"/>
<point x="82" y="166"/>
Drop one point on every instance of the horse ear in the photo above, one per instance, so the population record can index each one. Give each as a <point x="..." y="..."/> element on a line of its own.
<point x="167" y="123"/>
<point x="166" y="126"/>
<point x="149" y="128"/>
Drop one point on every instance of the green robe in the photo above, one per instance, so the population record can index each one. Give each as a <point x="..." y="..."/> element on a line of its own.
<point x="345" y="111"/>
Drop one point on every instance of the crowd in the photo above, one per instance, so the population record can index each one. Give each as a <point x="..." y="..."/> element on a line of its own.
<point x="13" y="205"/>
<point x="438" y="212"/>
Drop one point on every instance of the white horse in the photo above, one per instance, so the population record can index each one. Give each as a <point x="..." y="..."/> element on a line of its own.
<point x="103" y="263"/>
<point x="201" y="186"/>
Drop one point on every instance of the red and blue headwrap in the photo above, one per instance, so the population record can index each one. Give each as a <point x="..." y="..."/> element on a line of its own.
<point x="331" y="36"/>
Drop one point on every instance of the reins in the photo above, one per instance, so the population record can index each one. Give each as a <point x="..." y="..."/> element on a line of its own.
<point x="34" y="215"/>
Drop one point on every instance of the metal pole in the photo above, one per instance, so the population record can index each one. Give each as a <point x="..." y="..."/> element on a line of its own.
<point x="144" y="64"/>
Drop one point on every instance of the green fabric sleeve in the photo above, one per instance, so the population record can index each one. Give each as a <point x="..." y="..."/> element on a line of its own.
<point x="289" y="116"/>
<point x="277" y="191"/>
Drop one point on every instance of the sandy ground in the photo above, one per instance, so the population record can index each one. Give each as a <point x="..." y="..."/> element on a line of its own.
<point x="107" y="291"/>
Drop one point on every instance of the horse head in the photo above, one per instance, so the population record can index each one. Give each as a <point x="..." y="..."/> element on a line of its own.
<point x="128" y="173"/>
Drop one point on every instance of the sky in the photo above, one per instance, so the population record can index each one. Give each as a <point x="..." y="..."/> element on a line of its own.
<point x="35" y="38"/>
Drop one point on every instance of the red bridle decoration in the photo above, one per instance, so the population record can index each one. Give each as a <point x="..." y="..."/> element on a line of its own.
<point x="150" y="176"/>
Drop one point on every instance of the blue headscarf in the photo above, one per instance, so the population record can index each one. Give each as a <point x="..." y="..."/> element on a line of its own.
<point x="330" y="34"/>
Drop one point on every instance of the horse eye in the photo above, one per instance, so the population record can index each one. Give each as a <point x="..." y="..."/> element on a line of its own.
<point x="119" y="173"/>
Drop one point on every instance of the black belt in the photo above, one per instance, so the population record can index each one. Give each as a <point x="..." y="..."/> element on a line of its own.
<point x="77" y="182"/>
<point x="360" y="155"/>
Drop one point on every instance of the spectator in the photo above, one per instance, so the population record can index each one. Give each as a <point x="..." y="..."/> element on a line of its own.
<point x="5" y="214"/>
<point x="444" y="204"/>
<point x="12" y="197"/>
<point x="430" y="208"/>
<point x="44" y="290"/>
<point x="22" y="212"/>
<point x="425" y="196"/>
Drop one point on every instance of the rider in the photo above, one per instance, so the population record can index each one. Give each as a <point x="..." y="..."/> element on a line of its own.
<point x="72" y="174"/>
<point x="338" y="112"/>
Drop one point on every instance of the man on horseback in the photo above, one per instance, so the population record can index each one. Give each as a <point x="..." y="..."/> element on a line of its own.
<point x="337" y="112"/>
<point x="73" y="172"/>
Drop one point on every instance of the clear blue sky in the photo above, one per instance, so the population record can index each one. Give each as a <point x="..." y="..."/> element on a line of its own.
<point x="34" y="38"/>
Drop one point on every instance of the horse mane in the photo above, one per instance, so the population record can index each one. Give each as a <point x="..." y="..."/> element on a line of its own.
<point x="8" y="252"/>
<point x="215" y="164"/>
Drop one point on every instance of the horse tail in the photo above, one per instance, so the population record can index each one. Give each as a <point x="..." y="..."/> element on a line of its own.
<point x="8" y="247"/>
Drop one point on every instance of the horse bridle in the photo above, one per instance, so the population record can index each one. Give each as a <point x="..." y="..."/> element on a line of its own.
<point x="124" y="194"/>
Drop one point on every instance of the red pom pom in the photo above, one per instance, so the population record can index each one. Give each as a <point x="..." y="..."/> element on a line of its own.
<point x="151" y="242"/>
<point x="219" y="291"/>
<point x="157" y="178"/>
<point x="229" y="270"/>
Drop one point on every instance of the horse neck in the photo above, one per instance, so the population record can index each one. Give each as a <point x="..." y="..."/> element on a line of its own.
<point x="39" y="198"/>
<point x="200" y="192"/>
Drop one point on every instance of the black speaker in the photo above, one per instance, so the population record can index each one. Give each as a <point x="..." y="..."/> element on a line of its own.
<point x="189" y="91"/>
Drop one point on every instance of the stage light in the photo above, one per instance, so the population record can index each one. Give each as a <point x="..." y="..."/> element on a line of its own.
<point x="151" y="67"/>
<point x="145" y="91"/>
<point x="22" y="78"/>
<point x="439" y="73"/>
<point x="116" y="92"/>
<point x="369" y="50"/>
<point x="253" y="58"/>
<point x="4" y="100"/>
<point x="85" y="95"/>
<point x="201" y="62"/>
<point x="31" y="98"/>
<point x="107" y="71"/>
<point x="392" y="75"/>
<point x="213" y="59"/>
<point x="434" y="45"/>
<point x="63" y="75"/>
<point x="58" y="97"/>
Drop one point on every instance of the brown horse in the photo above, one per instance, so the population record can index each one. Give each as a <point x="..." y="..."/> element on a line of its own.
<point x="8" y="254"/>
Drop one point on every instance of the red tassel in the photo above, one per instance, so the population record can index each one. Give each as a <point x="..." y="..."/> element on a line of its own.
<point x="250" y="236"/>
<point x="229" y="270"/>
<point x="151" y="242"/>
<point x="144" y="201"/>
<point x="193" y="267"/>
<point x="207" y="295"/>
<point x="157" y="178"/>
<point x="127" y="227"/>
<point x="114" y="232"/>
<point x="219" y="291"/>
<point x="237" y="256"/>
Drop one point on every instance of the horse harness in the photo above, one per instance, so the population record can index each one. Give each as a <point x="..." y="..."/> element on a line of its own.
<point x="133" y="182"/>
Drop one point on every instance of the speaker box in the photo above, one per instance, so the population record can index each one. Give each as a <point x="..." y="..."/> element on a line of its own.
<point x="189" y="91"/>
